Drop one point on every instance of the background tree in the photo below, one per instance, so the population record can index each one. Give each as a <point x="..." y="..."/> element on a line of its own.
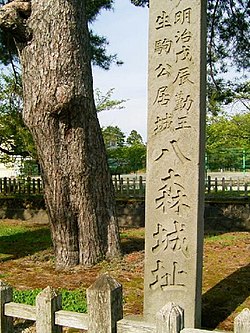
<point x="98" y="44"/>
<point x="124" y="158"/>
<point x="106" y="103"/>
<point x="59" y="110"/>
<point x="134" y="138"/>
<point x="15" y="138"/>
<point x="228" y="35"/>
<point x="228" y="142"/>
<point x="113" y="137"/>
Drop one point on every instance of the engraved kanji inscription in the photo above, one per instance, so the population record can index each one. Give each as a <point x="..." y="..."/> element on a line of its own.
<point x="183" y="16"/>
<point x="182" y="102"/>
<point x="183" y="36"/>
<point x="162" y="21"/>
<point x="164" y="277"/>
<point x="183" y="54"/>
<point x="182" y="76"/>
<point x="173" y="146"/>
<point x="162" y="96"/>
<point x="163" y="45"/>
<point x="163" y="70"/>
<point x="159" y="156"/>
<point x="163" y="123"/>
<point x="172" y="238"/>
<point x="172" y="194"/>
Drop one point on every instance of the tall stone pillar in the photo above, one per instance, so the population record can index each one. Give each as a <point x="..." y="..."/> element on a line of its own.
<point x="175" y="169"/>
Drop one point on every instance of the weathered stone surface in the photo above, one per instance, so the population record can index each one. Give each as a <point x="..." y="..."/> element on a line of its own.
<point x="6" y="323"/>
<point x="104" y="299"/>
<point x="242" y="322"/>
<point x="47" y="303"/>
<point x="170" y="319"/>
<point x="175" y="171"/>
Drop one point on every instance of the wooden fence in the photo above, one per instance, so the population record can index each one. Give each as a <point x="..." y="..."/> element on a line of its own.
<point x="13" y="186"/>
<point x="238" y="185"/>
<point x="124" y="186"/>
<point x="105" y="313"/>
<point x="129" y="187"/>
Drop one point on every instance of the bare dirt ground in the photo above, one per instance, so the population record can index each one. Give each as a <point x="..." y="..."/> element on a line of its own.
<point x="226" y="275"/>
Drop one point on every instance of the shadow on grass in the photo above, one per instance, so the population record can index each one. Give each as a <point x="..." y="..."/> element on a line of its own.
<point x="221" y="300"/>
<point x="132" y="244"/>
<point x="24" y="243"/>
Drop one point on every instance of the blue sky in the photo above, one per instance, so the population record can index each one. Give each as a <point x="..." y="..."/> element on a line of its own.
<point x="126" y="28"/>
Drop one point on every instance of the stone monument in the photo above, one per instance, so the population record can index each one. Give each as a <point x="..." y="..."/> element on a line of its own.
<point x="175" y="169"/>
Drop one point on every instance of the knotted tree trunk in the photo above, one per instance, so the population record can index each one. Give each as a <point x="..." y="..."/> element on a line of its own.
<point x="53" y="44"/>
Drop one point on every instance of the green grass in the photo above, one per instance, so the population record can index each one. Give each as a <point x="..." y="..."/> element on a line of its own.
<point x="227" y="194"/>
<point x="225" y="239"/>
<point x="72" y="300"/>
<point x="18" y="241"/>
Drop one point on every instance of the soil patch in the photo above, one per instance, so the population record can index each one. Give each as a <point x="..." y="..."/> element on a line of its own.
<point x="226" y="272"/>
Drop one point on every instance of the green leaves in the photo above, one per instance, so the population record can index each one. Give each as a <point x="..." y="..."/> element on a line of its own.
<point x="15" y="138"/>
<point x="142" y="3"/>
<point x="105" y="102"/>
<point x="228" y="49"/>
<point x="72" y="300"/>
<point x="124" y="158"/>
<point x="228" y="142"/>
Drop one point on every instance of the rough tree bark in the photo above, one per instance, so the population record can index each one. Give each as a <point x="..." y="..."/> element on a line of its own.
<point x="53" y="45"/>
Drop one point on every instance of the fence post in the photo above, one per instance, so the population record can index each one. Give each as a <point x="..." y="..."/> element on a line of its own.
<point x="28" y="185"/>
<point x="208" y="184"/>
<point x="216" y="184"/>
<point x="6" y="323"/>
<point x="127" y="187"/>
<point x="39" y="185"/>
<point x="5" y="185"/>
<point x="223" y="184"/>
<point x="242" y="322"/>
<point x="33" y="186"/>
<point x="121" y="185"/>
<point x="170" y="319"/>
<point x="47" y="303"/>
<point x="115" y="184"/>
<point x="141" y="191"/>
<point x="104" y="299"/>
<point x="245" y="190"/>
<point x="231" y="184"/>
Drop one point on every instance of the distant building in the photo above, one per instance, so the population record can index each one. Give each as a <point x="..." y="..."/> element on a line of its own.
<point x="8" y="171"/>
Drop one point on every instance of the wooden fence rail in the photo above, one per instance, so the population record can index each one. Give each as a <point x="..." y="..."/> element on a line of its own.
<point x="105" y="313"/>
<point x="12" y="186"/>
<point x="124" y="186"/>
<point x="227" y="185"/>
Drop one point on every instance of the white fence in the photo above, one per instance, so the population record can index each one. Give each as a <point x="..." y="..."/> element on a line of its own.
<point x="105" y="313"/>
<point x="125" y="186"/>
<point x="233" y="185"/>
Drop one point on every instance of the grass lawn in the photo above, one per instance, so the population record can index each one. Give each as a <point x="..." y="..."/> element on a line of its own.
<point x="27" y="263"/>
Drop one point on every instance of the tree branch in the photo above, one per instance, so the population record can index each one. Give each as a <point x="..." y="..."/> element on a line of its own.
<point x="13" y="18"/>
<point x="210" y="44"/>
<point x="13" y="153"/>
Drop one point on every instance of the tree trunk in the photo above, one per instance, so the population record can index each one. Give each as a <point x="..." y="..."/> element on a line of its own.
<point x="59" y="110"/>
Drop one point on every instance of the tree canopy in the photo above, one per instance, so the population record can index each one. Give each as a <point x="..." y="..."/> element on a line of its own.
<point x="227" y="48"/>
<point x="125" y="155"/>
<point x="52" y="39"/>
<point x="228" y="142"/>
<point x="228" y="35"/>
<point x="15" y="137"/>
<point x="98" y="44"/>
